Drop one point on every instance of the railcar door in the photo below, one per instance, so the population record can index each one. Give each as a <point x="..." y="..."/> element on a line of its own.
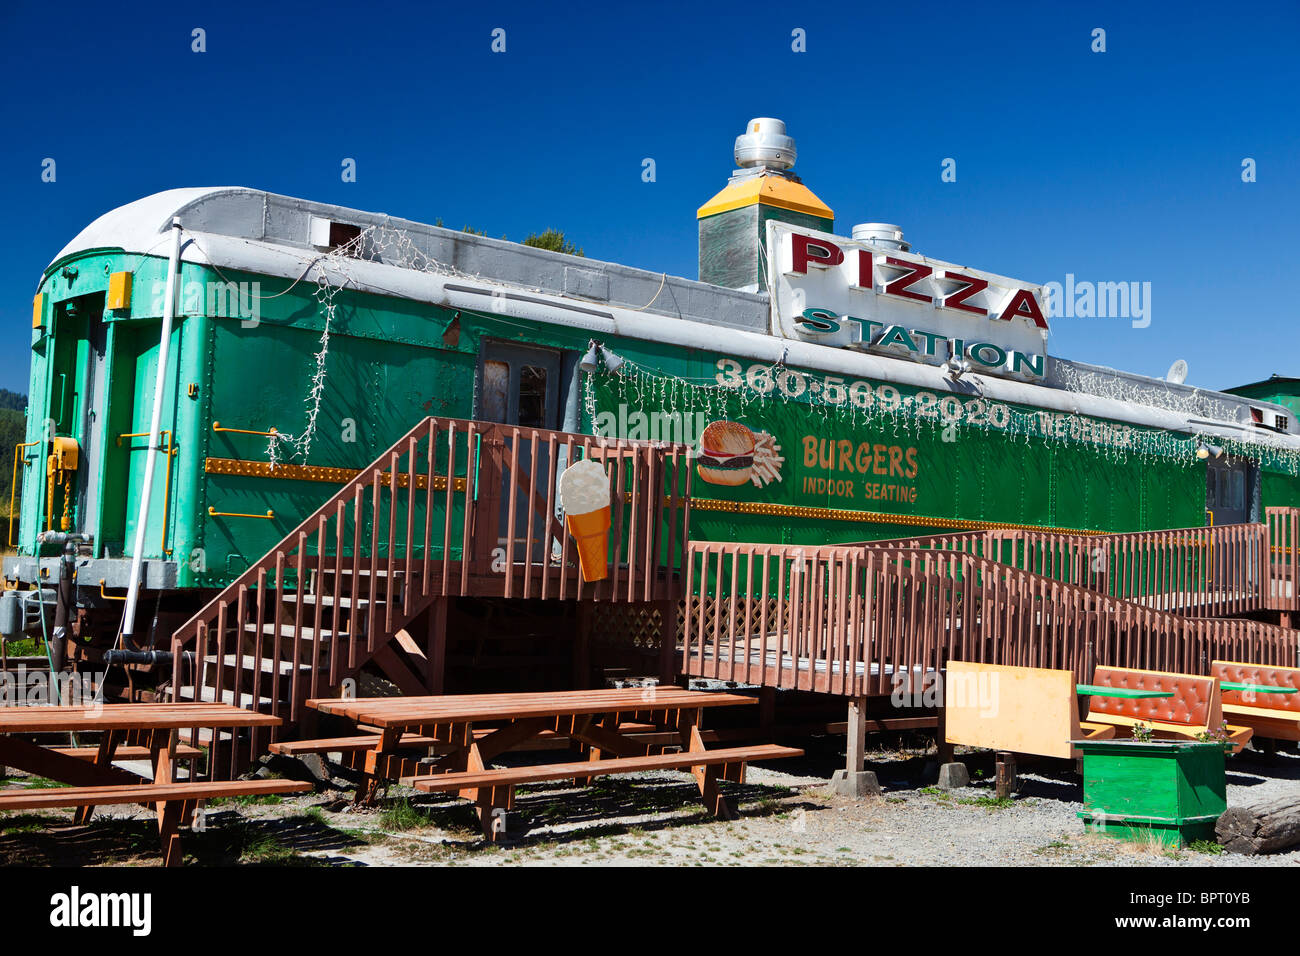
<point x="1228" y="500"/>
<point x="1227" y="491"/>
<point x="75" y="387"/>
<point x="520" y="385"/>
<point x="139" y="367"/>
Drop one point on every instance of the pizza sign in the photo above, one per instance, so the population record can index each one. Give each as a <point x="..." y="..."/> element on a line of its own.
<point x="851" y="294"/>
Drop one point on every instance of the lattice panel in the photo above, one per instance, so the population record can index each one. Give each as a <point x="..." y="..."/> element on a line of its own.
<point x="626" y="625"/>
<point x="712" y="610"/>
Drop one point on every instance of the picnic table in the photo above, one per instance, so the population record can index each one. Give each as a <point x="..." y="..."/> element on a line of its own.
<point x="593" y="718"/>
<point x="93" y="778"/>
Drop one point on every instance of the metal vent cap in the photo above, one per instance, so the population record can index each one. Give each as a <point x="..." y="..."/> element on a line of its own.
<point x="882" y="234"/>
<point x="765" y="143"/>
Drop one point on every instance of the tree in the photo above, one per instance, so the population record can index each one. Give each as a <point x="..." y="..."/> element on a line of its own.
<point x="13" y="431"/>
<point x="554" y="240"/>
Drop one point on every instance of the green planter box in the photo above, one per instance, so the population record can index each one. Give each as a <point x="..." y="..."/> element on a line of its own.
<point x="1170" y="791"/>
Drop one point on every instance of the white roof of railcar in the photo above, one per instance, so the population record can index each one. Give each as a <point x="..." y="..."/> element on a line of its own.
<point x="264" y="233"/>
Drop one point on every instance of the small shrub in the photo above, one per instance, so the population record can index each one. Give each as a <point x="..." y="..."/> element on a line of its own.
<point x="988" y="803"/>
<point x="400" y="815"/>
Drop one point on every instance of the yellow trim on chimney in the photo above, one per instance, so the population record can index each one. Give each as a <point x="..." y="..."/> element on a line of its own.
<point x="768" y="191"/>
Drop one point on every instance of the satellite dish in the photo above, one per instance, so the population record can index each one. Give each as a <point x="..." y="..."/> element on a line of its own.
<point x="1177" y="372"/>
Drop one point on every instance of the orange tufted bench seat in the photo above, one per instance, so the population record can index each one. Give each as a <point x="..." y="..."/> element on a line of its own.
<point x="1195" y="708"/>
<point x="1275" y="716"/>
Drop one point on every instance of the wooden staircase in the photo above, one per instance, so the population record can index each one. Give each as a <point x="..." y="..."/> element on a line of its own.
<point x="454" y="509"/>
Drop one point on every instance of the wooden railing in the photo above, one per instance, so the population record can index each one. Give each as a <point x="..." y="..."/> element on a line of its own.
<point x="857" y="620"/>
<point x="1283" y="558"/>
<point x="1197" y="572"/>
<point x="453" y="508"/>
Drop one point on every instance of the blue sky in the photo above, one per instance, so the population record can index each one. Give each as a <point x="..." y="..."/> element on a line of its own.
<point x="1115" y="166"/>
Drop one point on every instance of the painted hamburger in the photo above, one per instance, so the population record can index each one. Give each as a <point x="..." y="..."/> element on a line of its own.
<point x="726" y="455"/>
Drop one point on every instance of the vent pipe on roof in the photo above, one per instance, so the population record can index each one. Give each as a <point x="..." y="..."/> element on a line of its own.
<point x="882" y="234"/>
<point x="765" y="143"/>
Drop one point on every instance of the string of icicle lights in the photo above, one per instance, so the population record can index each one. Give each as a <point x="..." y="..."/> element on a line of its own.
<point x="883" y="406"/>
<point x="378" y="243"/>
<point x="887" y="410"/>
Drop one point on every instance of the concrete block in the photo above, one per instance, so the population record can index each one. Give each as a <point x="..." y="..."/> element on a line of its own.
<point x="953" y="775"/>
<point x="862" y="783"/>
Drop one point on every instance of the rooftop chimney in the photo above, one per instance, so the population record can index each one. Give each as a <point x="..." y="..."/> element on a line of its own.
<point x="733" y="223"/>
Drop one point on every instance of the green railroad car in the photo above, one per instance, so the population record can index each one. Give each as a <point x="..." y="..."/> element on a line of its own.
<point x="834" y="388"/>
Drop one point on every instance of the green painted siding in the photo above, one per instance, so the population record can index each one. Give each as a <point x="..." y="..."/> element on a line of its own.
<point x="391" y="362"/>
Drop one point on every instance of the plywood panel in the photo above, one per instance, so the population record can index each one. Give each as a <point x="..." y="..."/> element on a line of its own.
<point x="1026" y="710"/>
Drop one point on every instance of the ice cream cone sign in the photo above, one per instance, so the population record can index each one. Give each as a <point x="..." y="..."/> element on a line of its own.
<point x="584" y="496"/>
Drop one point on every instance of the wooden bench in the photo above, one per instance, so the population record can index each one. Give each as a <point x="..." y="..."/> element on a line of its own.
<point x="134" y="752"/>
<point x="325" y="745"/>
<point x="1274" y="716"/>
<point x="1195" y="708"/>
<point x="174" y="802"/>
<point x="495" y="788"/>
<point x="544" y="740"/>
<point x="1024" y="710"/>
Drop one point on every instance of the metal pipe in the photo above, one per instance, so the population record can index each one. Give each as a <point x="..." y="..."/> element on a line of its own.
<point x="159" y="658"/>
<point x="155" y="425"/>
<point x="66" y="606"/>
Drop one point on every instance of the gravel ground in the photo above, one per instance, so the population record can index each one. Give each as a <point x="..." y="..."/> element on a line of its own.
<point x="788" y="817"/>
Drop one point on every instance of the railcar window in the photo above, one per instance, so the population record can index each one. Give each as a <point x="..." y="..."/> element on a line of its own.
<point x="532" y="396"/>
<point x="496" y="390"/>
<point x="341" y="233"/>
